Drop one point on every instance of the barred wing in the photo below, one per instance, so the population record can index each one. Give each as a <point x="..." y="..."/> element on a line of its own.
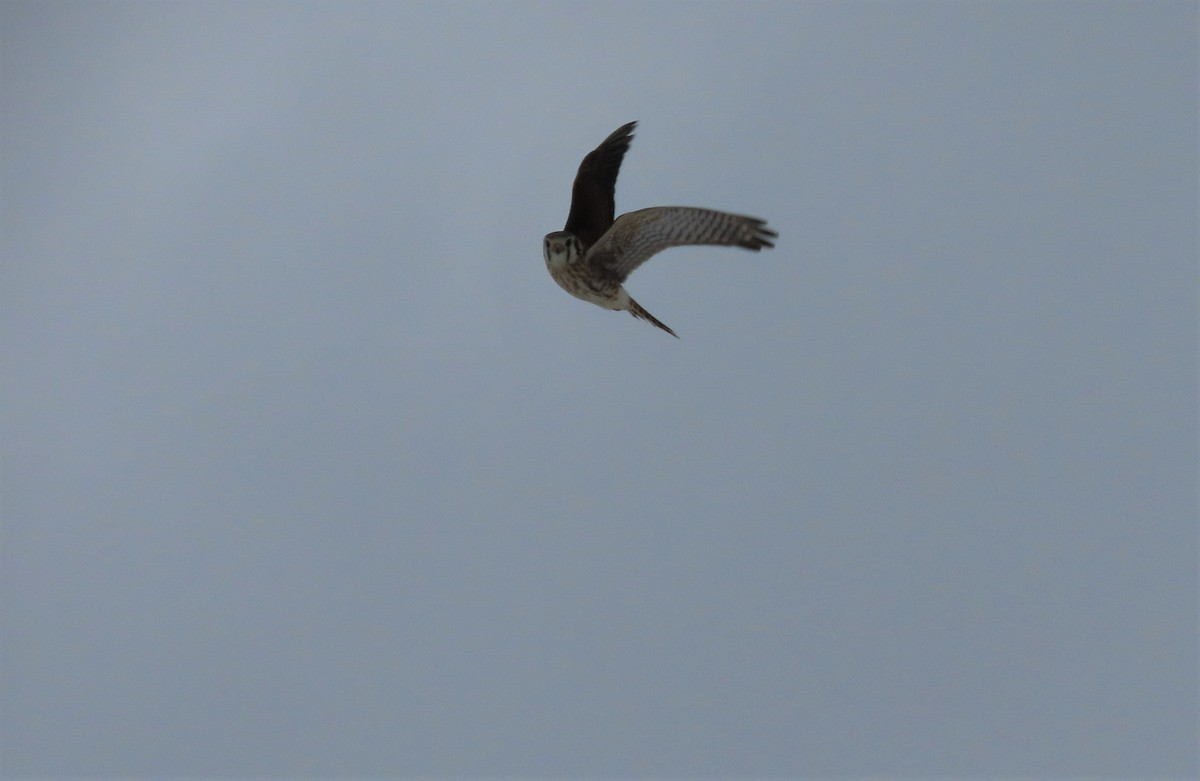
<point x="637" y="236"/>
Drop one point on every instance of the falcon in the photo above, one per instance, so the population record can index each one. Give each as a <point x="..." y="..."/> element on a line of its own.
<point x="594" y="254"/>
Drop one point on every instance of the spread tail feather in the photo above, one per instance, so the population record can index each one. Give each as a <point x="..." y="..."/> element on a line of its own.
<point x="637" y="311"/>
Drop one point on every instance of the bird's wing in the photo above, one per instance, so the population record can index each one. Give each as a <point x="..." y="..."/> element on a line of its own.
<point x="636" y="236"/>
<point x="592" y="204"/>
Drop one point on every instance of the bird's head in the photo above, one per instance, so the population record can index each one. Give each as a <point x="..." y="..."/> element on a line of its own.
<point x="560" y="248"/>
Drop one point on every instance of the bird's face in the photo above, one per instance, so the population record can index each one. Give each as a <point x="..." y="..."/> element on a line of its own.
<point x="561" y="249"/>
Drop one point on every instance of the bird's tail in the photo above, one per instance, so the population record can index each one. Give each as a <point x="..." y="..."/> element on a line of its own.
<point x="637" y="311"/>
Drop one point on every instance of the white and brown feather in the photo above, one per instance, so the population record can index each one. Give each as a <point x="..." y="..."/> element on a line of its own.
<point x="594" y="255"/>
<point x="637" y="236"/>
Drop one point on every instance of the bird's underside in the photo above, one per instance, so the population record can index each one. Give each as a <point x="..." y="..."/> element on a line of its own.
<point x="594" y="254"/>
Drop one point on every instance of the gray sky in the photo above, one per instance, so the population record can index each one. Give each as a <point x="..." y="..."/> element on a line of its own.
<point x="310" y="468"/>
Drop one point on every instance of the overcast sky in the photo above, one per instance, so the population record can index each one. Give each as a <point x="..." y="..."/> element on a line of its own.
<point x="309" y="468"/>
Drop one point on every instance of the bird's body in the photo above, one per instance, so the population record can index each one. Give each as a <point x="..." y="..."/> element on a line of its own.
<point x="594" y="254"/>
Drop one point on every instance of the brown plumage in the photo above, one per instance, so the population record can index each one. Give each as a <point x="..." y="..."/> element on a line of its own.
<point x="594" y="254"/>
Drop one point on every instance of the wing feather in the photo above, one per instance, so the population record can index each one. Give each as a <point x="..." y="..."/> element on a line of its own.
<point x="592" y="196"/>
<point x="637" y="236"/>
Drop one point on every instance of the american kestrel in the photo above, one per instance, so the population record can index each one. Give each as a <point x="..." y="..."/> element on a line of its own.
<point x="593" y="255"/>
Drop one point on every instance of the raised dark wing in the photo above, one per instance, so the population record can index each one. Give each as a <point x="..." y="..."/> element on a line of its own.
<point x="592" y="204"/>
<point x="638" y="236"/>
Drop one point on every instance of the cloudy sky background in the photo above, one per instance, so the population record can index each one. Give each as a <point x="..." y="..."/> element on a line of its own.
<point x="310" y="468"/>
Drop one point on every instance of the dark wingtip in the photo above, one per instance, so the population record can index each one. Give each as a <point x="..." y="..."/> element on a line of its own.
<point x="623" y="133"/>
<point x="757" y="235"/>
<point x="762" y="236"/>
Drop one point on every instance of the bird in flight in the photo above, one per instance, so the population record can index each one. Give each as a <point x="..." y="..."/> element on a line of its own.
<point x="593" y="255"/>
